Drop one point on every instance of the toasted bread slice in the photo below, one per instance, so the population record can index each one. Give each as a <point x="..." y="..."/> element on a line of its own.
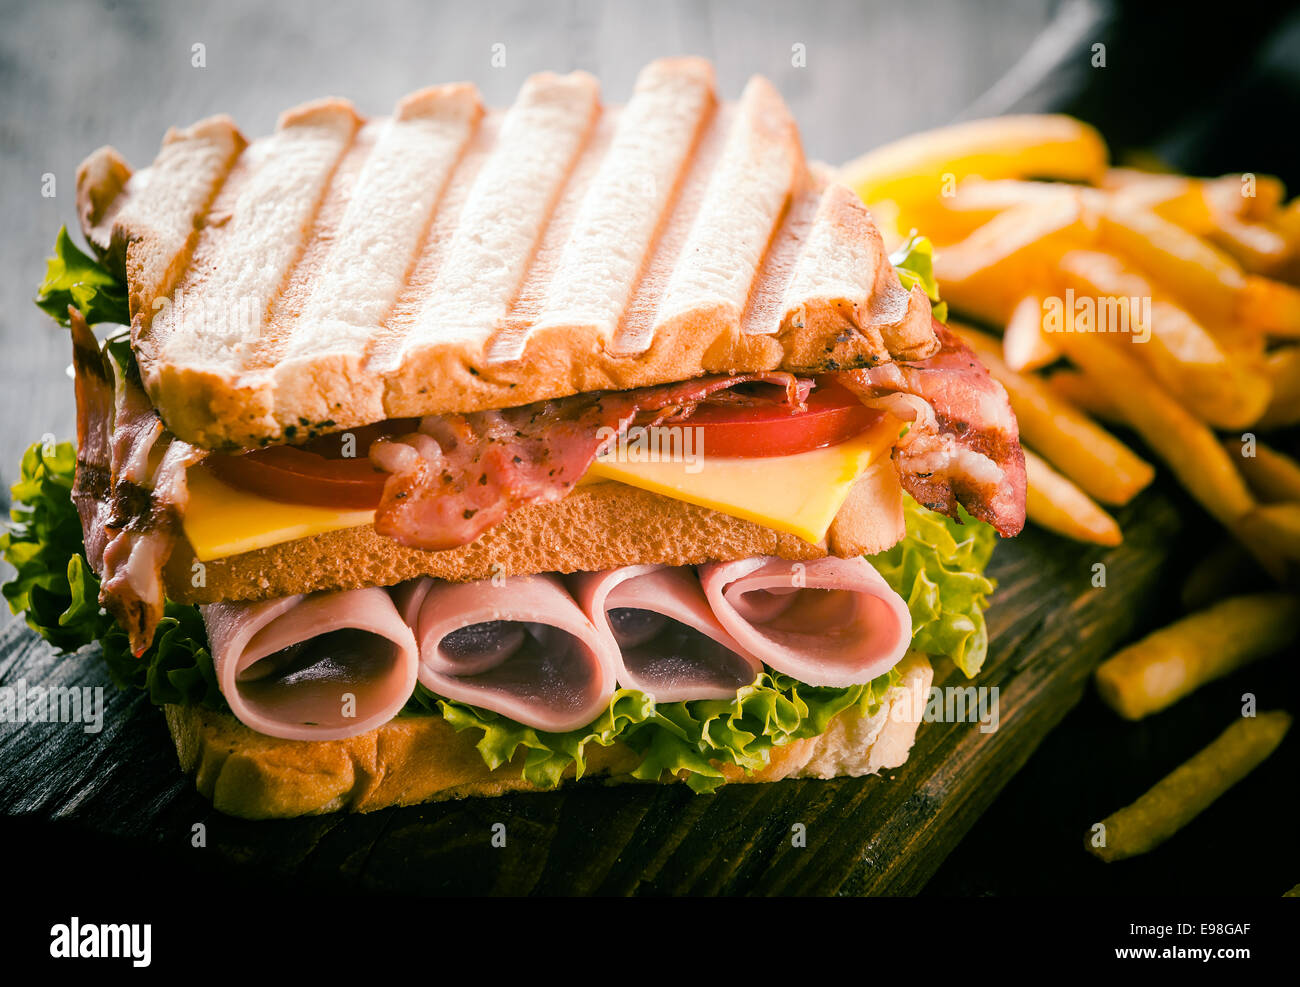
<point x="414" y="759"/>
<point x="446" y="259"/>
<point x="597" y="526"/>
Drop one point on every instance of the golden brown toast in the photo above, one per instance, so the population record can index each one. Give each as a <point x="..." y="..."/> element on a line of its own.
<point x="343" y="271"/>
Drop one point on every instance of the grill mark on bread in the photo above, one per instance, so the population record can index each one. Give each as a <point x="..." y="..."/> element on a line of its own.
<point x="522" y="284"/>
<point x="386" y="348"/>
<point x="192" y="168"/>
<point x="519" y="328"/>
<point x="675" y="225"/>
<point x="760" y="164"/>
<point x="147" y="229"/>
<point x="254" y="237"/>
<point x="765" y="310"/>
<point x="284" y="320"/>
<point x="368" y="238"/>
<point x="507" y="211"/>
<point x="621" y="208"/>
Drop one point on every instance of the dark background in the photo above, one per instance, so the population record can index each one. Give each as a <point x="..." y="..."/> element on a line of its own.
<point x="1207" y="96"/>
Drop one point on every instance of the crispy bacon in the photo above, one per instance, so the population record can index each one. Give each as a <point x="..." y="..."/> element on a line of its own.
<point x="92" y="485"/>
<point x="964" y="444"/>
<point x="459" y="475"/>
<point x="129" y="489"/>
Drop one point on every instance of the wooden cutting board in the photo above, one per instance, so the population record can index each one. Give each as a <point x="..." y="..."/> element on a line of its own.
<point x="883" y="835"/>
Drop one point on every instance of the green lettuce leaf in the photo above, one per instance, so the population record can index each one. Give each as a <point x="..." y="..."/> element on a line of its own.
<point x="939" y="570"/>
<point x="914" y="262"/>
<point x="77" y="279"/>
<point x="688" y="740"/>
<point x="53" y="587"/>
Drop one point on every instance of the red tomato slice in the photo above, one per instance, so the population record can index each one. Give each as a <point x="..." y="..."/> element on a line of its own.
<point x="834" y="414"/>
<point x="316" y="473"/>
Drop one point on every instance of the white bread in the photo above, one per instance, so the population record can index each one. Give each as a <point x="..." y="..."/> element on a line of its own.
<point x="342" y="271"/>
<point x="411" y="760"/>
<point x="597" y="526"/>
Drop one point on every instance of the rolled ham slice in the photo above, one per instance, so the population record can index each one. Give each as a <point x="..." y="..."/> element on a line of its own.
<point x="669" y="643"/>
<point x="288" y="666"/>
<point x="832" y="622"/>
<point x="519" y="647"/>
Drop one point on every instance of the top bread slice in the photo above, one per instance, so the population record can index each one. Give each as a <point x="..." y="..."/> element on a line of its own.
<point x="448" y="259"/>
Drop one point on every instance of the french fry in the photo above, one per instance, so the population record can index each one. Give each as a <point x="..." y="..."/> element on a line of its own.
<point x="1024" y="345"/>
<point x="1287" y="222"/>
<point x="1274" y="528"/>
<point x="1074" y="387"/>
<point x="948" y="218"/>
<point x="1205" y="279"/>
<point x="1189" y="789"/>
<point x="1173" y="662"/>
<point x="974" y="202"/>
<point x="1053" y="502"/>
<point x="1094" y="459"/>
<point x="1245" y="344"/>
<point x="1032" y="146"/>
<point x="1245" y="196"/>
<point x="1126" y="177"/>
<point x="1182" y="354"/>
<point x="991" y="197"/>
<point x="1185" y="444"/>
<point x="1179" y="199"/>
<point x="1283" y="369"/>
<point x="1257" y="247"/>
<point x="987" y="274"/>
<point x="1273" y="476"/>
<point x="1270" y="306"/>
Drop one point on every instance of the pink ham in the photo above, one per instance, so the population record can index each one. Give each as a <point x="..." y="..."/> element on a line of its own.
<point x="832" y="622"/>
<point x="287" y="666"/>
<point x="669" y="643"/>
<point x="519" y="647"/>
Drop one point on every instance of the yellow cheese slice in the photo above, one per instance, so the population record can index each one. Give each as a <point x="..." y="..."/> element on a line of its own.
<point x="221" y="520"/>
<point x="800" y="494"/>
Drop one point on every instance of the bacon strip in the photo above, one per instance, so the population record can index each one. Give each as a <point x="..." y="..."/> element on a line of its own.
<point x="92" y="485"/>
<point x="964" y="444"/>
<point x="459" y="475"/>
<point x="129" y="489"/>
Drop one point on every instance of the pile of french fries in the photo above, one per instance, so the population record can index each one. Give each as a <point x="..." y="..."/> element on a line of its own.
<point x="1159" y="302"/>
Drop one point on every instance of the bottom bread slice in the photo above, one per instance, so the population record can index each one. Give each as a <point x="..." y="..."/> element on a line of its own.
<point x="415" y="759"/>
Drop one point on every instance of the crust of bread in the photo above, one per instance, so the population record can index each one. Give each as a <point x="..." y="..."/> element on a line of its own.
<point x="416" y="759"/>
<point x="597" y="526"/>
<point x="705" y="246"/>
